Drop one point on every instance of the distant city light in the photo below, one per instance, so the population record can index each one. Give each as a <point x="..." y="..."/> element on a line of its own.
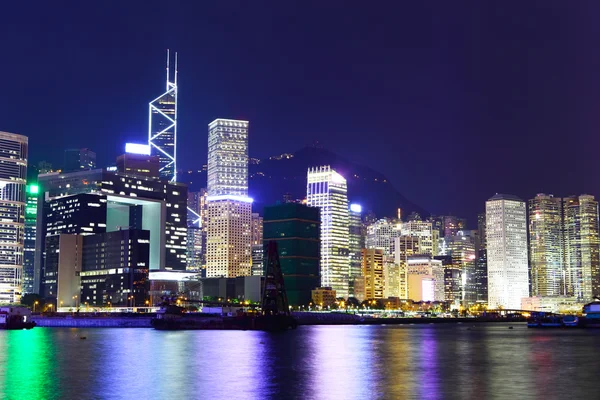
<point x="111" y="168"/>
<point x="33" y="189"/>
<point x="357" y="208"/>
<point x="244" y="199"/>
<point x="137" y="148"/>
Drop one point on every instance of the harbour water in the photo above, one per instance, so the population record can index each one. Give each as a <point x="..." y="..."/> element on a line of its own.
<point x="312" y="362"/>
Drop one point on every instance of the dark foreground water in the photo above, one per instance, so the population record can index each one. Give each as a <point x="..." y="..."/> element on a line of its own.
<point x="316" y="362"/>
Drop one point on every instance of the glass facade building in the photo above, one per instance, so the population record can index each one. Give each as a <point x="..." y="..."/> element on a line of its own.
<point x="162" y="126"/>
<point x="507" y="258"/>
<point x="581" y="247"/>
<point x="356" y="243"/>
<point x="327" y="190"/>
<point x="29" y="243"/>
<point x="296" y="229"/>
<point x="546" y="246"/>
<point x="13" y="176"/>
<point x="229" y="241"/>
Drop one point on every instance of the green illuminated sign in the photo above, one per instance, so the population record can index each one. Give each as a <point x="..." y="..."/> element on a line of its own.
<point x="33" y="189"/>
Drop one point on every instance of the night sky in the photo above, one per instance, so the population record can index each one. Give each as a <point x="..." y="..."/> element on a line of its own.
<point x="453" y="101"/>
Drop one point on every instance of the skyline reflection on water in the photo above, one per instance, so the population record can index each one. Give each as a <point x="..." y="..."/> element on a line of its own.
<point x="313" y="362"/>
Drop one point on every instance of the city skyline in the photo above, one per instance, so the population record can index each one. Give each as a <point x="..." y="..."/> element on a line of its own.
<point x="421" y="91"/>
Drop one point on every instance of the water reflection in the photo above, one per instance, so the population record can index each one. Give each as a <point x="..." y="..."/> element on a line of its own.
<point x="327" y="362"/>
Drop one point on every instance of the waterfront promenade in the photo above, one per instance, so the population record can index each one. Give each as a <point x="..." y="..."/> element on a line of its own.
<point x="303" y="318"/>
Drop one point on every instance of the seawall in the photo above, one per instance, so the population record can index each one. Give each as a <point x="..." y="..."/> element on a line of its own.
<point x="92" y="322"/>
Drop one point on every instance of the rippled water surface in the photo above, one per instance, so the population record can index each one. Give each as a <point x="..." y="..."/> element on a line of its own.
<point x="313" y="362"/>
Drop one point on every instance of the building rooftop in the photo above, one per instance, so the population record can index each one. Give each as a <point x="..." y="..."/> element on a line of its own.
<point x="500" y="196"/>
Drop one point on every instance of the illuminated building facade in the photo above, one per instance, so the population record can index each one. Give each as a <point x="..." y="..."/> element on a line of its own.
<point x="79" y="159"/>
<point x="356" y="242"/>
<point x="256" y="232"/>
<point x="546" y="246"/>
<point x="507" y="259"/>
<point x="296" y="229"/>
<point x="581" y="247"/>
<point x="423" y="230"/>
<point x="81" y="214"/>
<point x="162" y="126"/>
<point x="31" y="200"/>
<point x="425" y="278"/>
<point x="481" y="285"/>
<point x="13" y="176"/>
<point x="405" y="247"/>
<point x="327" y="190"/>
<point x="114" y="268"/>
<point x="373" y="272"/>
<point x="229" y="241"/>
<point x="462" y="266"/>
<point x="197" y="224"/>
<point x="139" y="165"/>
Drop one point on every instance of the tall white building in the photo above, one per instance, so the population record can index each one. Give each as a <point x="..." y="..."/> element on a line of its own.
<point x="581" y="246"/>
<point x="327" y="190"/>
<point x="506" y="235"/>
<point x="228" y="242"/>
<point x="13" y="175"/>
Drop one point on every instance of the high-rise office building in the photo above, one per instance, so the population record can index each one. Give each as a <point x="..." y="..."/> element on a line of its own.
<point x="425" y="279"/>
<point x="327" y="190"/>
<point x="296" y="229"/>
<point x="481" y="285"/>
<point x="31" y="201"/>
<point x="114" y="268"/>
<point x="162" y="125"/>
<point x="381" y="234"/>
<point x="448" y="225"/>
<point x="256" y="232"/>
<point x="146" y="203"/>
<point x="229" y="247"/>
<point x="423" y="230"/>
<point x="13" y="176"/>
<point x="79" y="159"/>
<point x="139" y="165"/>
<point x="373" y="273"/>
<point x="461" y="252"/>
<point x="581" y="246"/>
<point x="196" y="223"/>
<point x="81" y="214"/>
<point x="356" y="242"/>
<point x="546" y="246"/>
<point x="405" y="247"/>
<point x="506" y="237"/>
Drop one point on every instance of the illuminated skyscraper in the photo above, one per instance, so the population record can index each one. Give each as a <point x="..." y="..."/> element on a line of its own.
<point x="13" y="175"/>
<point x="162" y="126"/>
<point x="582" y="259"/>
<point x="481" y="285"/>
<point x="546" y="246"/>
<point x="356" y="244"/>
<point x="506" y="236"/>
<point x="256" y="232"/>
<point x="372" y="271"/>
<point x="196" y="223"/>
<point x="327" y="190"/>
<point x="229" y="248"/>
<point x="30" y="232"/>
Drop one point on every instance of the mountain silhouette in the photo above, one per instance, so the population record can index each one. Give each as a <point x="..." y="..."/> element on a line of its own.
<point x="272" y="178"/>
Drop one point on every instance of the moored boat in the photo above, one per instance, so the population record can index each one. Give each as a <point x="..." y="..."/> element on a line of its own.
<point x="15" y="317"/>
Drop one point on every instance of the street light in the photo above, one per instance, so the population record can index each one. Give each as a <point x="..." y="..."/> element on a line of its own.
<point x="35" y="304"/>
